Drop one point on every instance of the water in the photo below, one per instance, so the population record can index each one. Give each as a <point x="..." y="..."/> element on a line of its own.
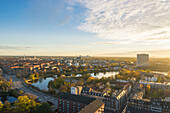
<point x="42" y="83"/>
<point x="164" y="73"/>
<point x="11" y="99"/>
<point x="100" y="75"/>
<point x="107" y="74"/>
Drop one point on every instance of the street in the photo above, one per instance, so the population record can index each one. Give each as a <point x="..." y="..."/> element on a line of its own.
<point x="42" y="97"/>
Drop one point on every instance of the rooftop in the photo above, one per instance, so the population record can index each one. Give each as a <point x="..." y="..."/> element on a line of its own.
<point x="92" y="107"/>
<point x="76" y="98"/>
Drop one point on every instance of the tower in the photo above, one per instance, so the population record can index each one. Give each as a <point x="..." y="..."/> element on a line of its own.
<point x="142" y="60"/>
<point x="24" y="57"/>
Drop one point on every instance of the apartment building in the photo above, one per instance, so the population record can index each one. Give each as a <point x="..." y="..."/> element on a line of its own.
<point x="154" y="84"/>
<point x="76" y="90"/>
<point x="70" y="103"/>
<point x="96" y="106"/>
<point x="112" y="103"/>
<point x="148" y="106"/>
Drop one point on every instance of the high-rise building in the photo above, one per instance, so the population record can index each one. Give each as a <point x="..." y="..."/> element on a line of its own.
<point x="142" y="60"/>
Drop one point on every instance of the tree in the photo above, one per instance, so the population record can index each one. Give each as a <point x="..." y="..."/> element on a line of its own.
<point x="7" y="106"/>
<point x="10" y="80"/>
<point x="73" y="75"/>
<point x="31" y="96"/>
<point x="24" y="104"/>
<point x="32" y="77"/>
<point x="44" y="108"/>
<point x="36" y="74"/>
<point x="159" y="79"/>
<point x="1" y="106"/>
<point x="168" y="73"/>
<point x="86" y="76"/>
<point x="90" y="79"/>
<point x="18" y="75"/>
<point x="148" y="71"/>
<point x="64" y="88"/>
<point x="72" y="85"/>
<point x="41" y="73"/>
<point x="57" y="82"/>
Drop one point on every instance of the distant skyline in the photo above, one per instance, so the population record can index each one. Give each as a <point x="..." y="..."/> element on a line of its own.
<point x="85" y="27"/>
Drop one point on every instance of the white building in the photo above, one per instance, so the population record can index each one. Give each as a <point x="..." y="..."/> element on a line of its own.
<point x="154" y="84"/>
<point x="76" y="64"/>
<point x="76" y="90"/>
<point x="69" y="64"/>
<point x="152" y="79"/>
<point x="83" y="64"/>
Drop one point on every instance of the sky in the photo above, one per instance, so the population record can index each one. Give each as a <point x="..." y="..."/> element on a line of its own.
<point x="85" y="27"/>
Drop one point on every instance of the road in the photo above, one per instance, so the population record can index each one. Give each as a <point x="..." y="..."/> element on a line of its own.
<point x="42" y="97"/>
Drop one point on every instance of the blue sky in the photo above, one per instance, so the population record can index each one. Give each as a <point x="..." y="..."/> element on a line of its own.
<point x="85" y="27"/>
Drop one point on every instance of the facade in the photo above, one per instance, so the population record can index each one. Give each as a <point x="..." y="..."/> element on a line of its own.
<point x="147" y="106"/>
<point x="142" y="60"/>
<point x="112" y="103"/>
<point x="167" y="91"/>
<point x="70" y="103"/>
<point x="76" y="90"/>
<point x="155" y="84"/>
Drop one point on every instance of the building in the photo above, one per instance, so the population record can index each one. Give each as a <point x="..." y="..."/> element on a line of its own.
<point x="142" y="60"/>
<point x="112" y="103"/>
<point x="154" y="84"/>
<point x="167" y="91"/>
<point x="96" y="106"/>
<point x="147" y="106"/>
<point x="1" y="72"/>
<point x="76" y="64"/>
<point x="76" y="90"/>
<point x="70" y="103"/>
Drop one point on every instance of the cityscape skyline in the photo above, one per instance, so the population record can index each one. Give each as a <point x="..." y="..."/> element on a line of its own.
<point x="84" y="27"/>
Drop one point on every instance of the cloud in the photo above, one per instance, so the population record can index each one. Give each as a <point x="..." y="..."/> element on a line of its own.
<point x="14" y="48"/>
<point x="163" y="38"/>
<point x="111" y="43"/>
<point x="126" y="19"/>
<point x="106" y="43"/>
<point x="78" y="46"/>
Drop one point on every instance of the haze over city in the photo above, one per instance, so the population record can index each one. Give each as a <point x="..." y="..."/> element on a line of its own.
<point x="85" y="27"/>
<point x="84" y="56"/>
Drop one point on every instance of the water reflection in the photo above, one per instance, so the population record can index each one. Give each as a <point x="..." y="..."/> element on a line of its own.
<point x="164" y="73"/>
<point x="42" y="83"/>
<point x="106" y="74"/>
<point x="10" y="99"/>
